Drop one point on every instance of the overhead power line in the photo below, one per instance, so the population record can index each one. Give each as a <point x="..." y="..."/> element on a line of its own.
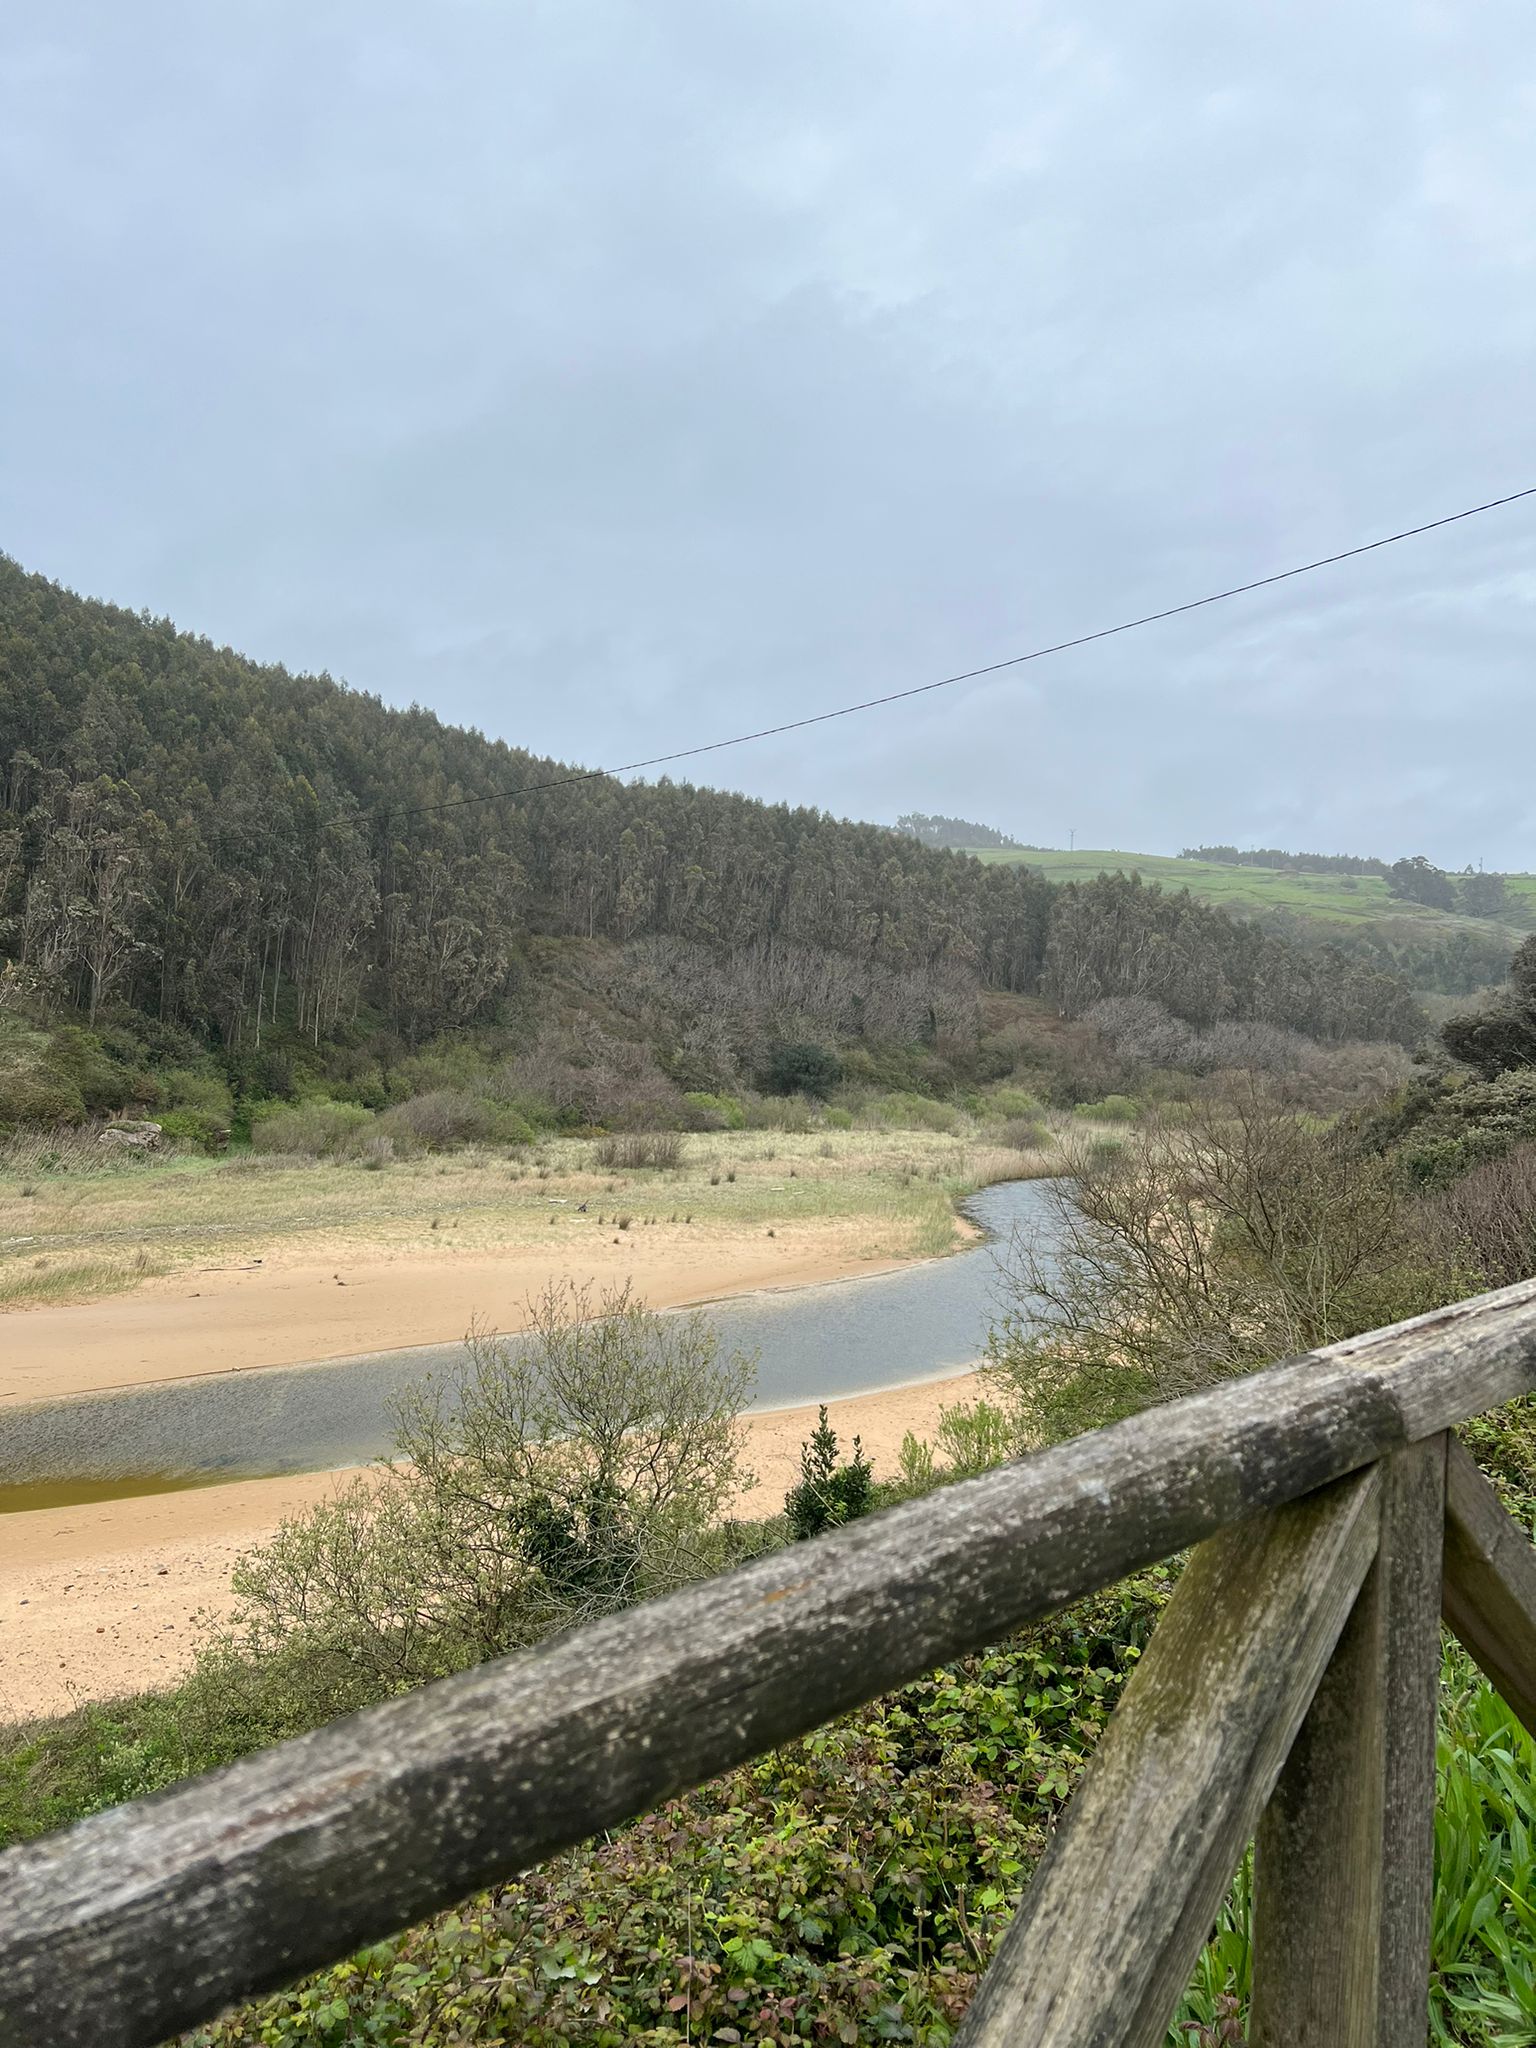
<point x="970" y="675"/>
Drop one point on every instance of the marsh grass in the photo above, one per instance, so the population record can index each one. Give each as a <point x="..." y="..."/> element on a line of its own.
<point x="874" y="1193"/>
<point x="37" y="1284"/>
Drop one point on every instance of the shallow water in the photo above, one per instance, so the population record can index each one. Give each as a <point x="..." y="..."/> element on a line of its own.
<point x="812" y="1344"/>
<point x="31" y="1494"/>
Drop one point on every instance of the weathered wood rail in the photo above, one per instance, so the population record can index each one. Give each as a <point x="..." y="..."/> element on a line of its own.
<point x="1288" y="1693"/>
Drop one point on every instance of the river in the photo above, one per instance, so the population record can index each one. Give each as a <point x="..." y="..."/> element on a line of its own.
<point x="812" y="1344"/>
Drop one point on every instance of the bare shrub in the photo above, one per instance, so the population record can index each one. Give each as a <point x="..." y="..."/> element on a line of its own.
<point x="1236" y="1235"/>
<point x="1489" y="1216"/>
<point x="1334" y="1076"/>
<point x="542" y="1481"/>
<point x="1350" y="1075"/>
<point x="584" y="1073"/>
<point x="777" y="991"/>
<point x="1021" y="1134"/>
<point x="633" y="1151"/>
<point x="1141" y="1029"/>
<point x="436" y="1121"/>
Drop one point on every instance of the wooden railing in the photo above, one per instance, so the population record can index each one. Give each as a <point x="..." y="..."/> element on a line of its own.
<point x="1288" y="1692"/>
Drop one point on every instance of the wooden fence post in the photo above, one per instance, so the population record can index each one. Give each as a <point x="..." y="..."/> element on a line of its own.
<point x="1490" y="1584"/>
<point x="1114" y="1921"/>
<point x="1345" y="1857"/>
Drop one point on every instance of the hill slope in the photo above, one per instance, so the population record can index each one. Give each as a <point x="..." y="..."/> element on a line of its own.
<point x="236" y="853"/>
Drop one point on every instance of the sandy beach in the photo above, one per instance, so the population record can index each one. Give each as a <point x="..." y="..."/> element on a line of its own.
<point x="101" y="1599"/>
<point x="238" y="1318"/>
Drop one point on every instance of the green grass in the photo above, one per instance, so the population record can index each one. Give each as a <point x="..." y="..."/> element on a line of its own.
<point x="1251" y="890"/>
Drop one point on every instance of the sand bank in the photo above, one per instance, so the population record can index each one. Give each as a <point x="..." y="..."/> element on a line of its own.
<point x="101" y="1599"/>
<point x="237" y="1319"/>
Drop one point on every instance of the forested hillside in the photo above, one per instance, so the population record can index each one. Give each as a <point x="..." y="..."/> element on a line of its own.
<point x="231" y="850"/>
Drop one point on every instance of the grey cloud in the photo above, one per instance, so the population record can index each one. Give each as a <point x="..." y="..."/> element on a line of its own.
<point x="615" y="376"/>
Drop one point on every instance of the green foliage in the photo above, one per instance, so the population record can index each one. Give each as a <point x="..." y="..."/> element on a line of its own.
<point x="1440" y="1128"/>
<point x="34" y="1096"/>
<point x="802" y="1068"/>
<point x="197" y="1088"/>
<point x="314" y="1130"/>
<point x="828" y="1493"/>
<point x="1009" y="1102"/>
<point x="850" y="1887"/>
<point x="906" y="1112"/>
<point x="974" y="1436"/>
<point x="1500" y="1038"/>
<point x="1113" y="1109"/>
<point x="193" y="1130"/>
<point x="1484" y="1934"/>
<point x="715" y="1112"/>
<point x="1417" y="880"/>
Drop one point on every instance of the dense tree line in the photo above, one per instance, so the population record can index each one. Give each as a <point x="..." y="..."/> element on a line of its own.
<point x="960" y="833"/>
<point x="225" y="845"/>
<point x="1121" y="936"/>
<point x="1474" y="893"/>
<point x="1300" y="863"/>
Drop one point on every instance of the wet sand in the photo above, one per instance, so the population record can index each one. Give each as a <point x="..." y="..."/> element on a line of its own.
<point x="101" y="1599"/>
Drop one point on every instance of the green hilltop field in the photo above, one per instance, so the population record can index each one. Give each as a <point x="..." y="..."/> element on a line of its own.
<point x="1353" y="900"/>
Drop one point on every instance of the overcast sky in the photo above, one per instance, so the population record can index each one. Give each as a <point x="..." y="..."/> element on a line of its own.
<point x="616" y="376"/>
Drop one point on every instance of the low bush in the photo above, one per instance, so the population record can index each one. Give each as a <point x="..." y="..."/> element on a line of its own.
<point x="446" y="1117"/>
<point x="193" y="1130"/>
<point x="830" y="1491"/>
<point x="714" y="1112"/>
<point x="1113" y="1109"/>
<point x="319" y="1130"/>
<point x="1022" y="1134"/>
<point x="193" y="1088"/>
<point x="904" y="1112"/>
<point x="803" y="1068"/>
<point x="634" y="1151"/>
<point x="1447" y="1128"/>
<point x="1004" y="1103"/>
<point x="789" y="1113"/>
<point x="36" y="1095"/>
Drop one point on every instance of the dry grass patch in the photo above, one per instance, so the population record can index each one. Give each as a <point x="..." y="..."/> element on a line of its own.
<point x="866" y="1193"/>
